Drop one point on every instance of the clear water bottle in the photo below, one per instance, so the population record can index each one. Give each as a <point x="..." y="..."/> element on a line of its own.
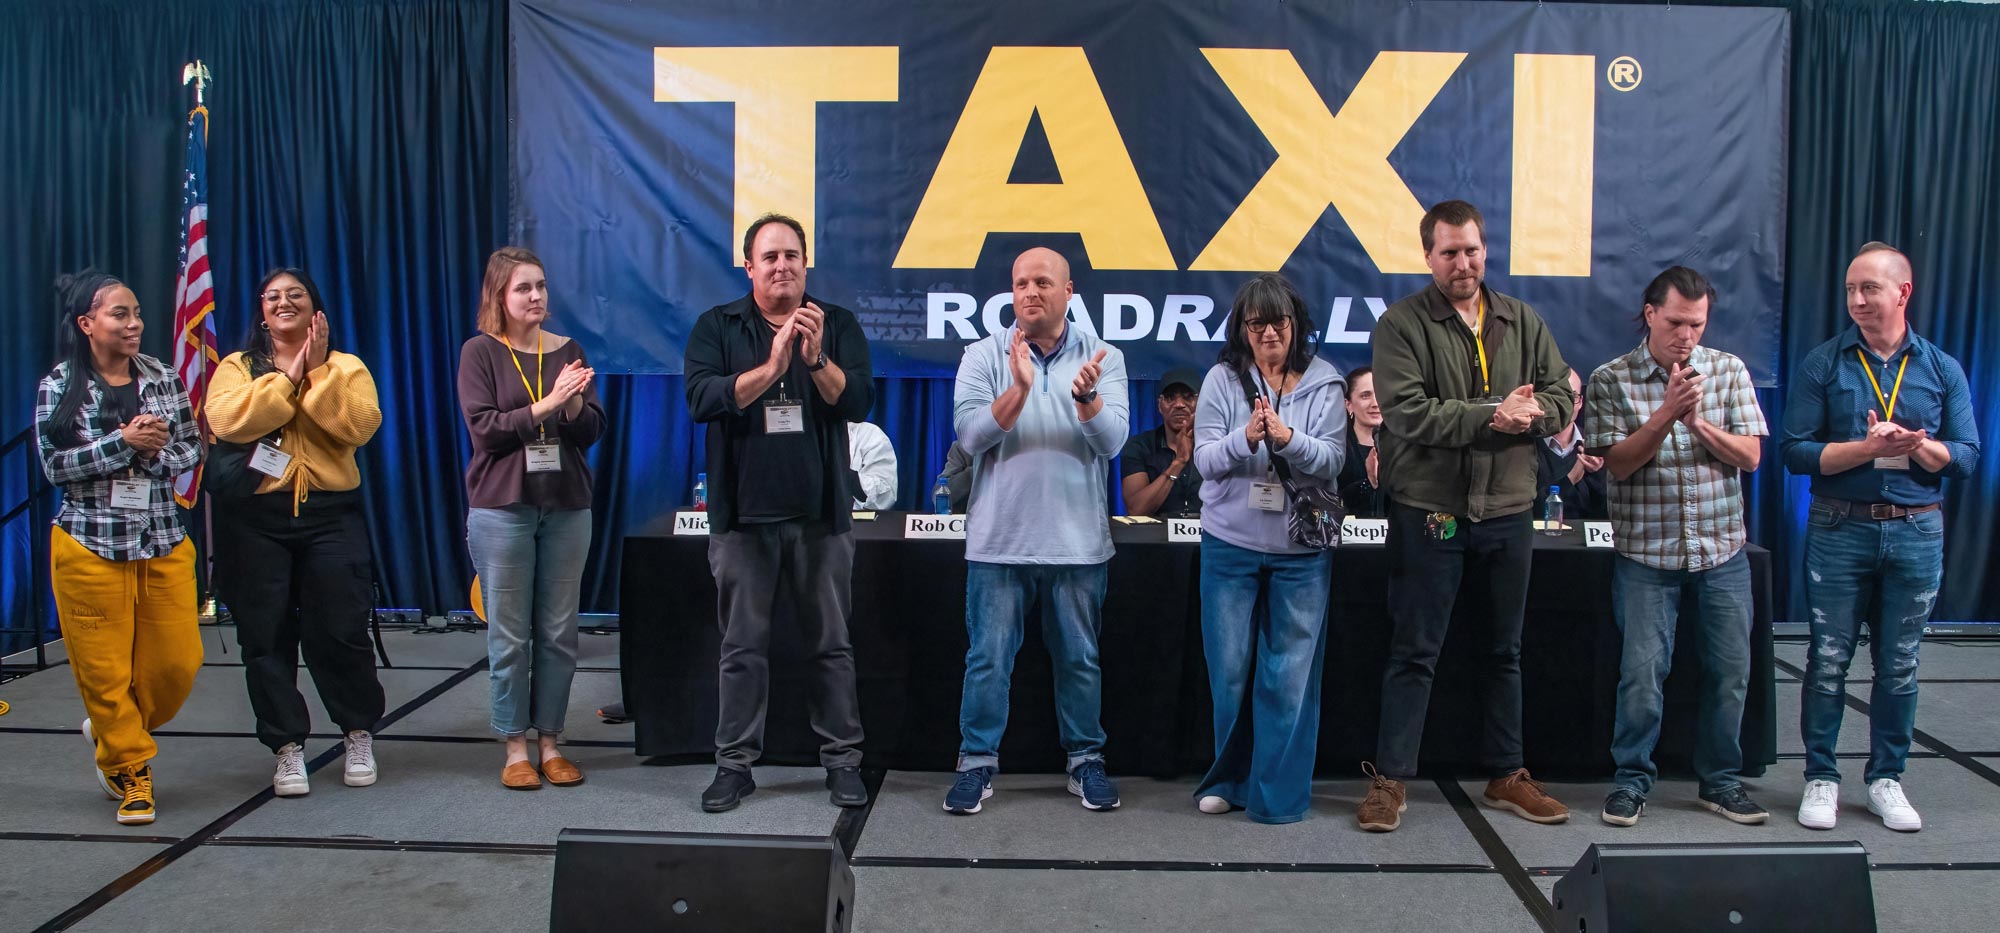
<point x="941" y="496"/>
<point x="701" y="492"/>
<point x="1552" y="513"/>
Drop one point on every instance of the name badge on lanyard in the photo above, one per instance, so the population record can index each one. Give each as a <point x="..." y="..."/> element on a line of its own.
<point x="782" y="415"/>
<point x="131" y="494"/>
<point x="1900" y="461"/>
<point x="545" y="457"/>
<point x="1269" y="495"/>
<point x="269" y="460"/>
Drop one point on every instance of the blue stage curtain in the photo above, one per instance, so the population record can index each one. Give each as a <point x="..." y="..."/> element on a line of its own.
<point x="1896" y="137"/>
<point x="362" y="141"/>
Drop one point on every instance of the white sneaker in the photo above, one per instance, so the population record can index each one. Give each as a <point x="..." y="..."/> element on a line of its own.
<point x="1886" y="800"/>
<point x="1820" y="807"/>
<point x="1214" y="804"/>
<point x="290" y="778"/>
<point x="360" y="759"/>
<point x="103" y="780"/>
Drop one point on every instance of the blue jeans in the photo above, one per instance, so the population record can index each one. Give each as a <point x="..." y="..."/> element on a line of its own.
<point x="1883" y="574"/>
<point x="1647" y="605"/>
<point x="1263" y="630"/>
<point x="997" y="597"/>
<point x="530" y="564"/>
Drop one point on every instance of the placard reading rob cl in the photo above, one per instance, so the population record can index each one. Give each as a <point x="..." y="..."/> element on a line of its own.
<point x="934" y="526"/>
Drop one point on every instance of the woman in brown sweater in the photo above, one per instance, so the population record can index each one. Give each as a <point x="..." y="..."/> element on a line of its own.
<point x="530" y="403"/>
<point x="292" y="559"/>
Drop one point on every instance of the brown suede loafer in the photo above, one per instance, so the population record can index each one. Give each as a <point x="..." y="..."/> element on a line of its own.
<point x="561" y="771"/>
<point x="520" y="776"/>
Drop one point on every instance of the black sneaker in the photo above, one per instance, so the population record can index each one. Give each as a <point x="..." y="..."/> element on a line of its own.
<point x="1735" y="805"/>
<point x="728" y="790"/>
<point x="845" y="783"/>
<point x="1623" y="807"/>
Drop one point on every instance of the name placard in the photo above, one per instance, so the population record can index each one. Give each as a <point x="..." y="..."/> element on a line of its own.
<point x="934" y="526"/>
<point x="1598" y="534"/>
<point x="1184" y="529"/>
<point x="1364" y="531"/>
<point x="691" y="523"/>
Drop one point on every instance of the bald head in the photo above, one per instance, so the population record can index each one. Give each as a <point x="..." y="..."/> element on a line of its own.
<point x="1041" y="293"/>
<point x="1042" y="258"/>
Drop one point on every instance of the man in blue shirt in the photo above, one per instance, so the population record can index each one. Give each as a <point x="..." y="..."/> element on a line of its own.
<point x="1878" y="417"/>
<point x="1041" y="408"/>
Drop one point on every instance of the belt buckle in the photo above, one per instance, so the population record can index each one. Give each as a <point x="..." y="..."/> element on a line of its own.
<point x="1883" y="511"/>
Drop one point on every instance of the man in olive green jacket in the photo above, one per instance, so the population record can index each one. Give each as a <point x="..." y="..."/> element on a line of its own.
<point x="1469" y="380"/>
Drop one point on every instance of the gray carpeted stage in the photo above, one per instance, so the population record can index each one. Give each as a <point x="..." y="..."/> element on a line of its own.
<point x="437" y="844"/>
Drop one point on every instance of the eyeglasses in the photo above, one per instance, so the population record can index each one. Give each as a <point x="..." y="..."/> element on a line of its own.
<point x="1280" y="325"/>
<point x="296" y="294"/>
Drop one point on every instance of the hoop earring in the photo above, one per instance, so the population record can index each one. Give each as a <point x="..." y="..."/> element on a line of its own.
<point x="264" y="324"/>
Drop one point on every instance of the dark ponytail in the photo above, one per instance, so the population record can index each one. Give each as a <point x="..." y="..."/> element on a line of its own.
<point x="77" y="296"/>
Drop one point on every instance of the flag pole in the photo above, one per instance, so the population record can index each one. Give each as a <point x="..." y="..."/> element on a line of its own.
<point x="196" y="73"/>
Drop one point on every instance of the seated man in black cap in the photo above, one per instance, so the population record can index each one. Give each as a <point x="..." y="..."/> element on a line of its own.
<point x="1158" y="465"/>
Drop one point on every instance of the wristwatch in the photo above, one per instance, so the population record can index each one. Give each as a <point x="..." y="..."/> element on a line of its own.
<point x="1086" y="398"/>
<point x="818" y="364"/>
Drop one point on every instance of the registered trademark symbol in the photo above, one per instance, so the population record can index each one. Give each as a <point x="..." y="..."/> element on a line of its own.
<point x="1623" y="73"/>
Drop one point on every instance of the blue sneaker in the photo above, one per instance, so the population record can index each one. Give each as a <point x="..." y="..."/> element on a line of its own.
<point x="966" y="794"/>
<point x="1091" y="783"/>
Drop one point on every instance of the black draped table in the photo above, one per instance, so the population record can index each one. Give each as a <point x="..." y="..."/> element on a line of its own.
<point x="908" y="629"/>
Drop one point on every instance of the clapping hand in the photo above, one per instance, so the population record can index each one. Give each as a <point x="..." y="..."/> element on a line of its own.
<point x="1683" y="393"/>
<point x="1019" y="362"/>
<point x="145" y="433"/>
<point x="573" y="380"/>
<point x="1517" y="412"/>
<point x="1086" y="377"/>
<point x="811" y="322"/>
<point x="1889" y="439"/>
<point x="1274" y="427"/>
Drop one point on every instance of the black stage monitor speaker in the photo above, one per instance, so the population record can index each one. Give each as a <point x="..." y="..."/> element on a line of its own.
<point x="1813" y="887"/>
<point x="615" y="880"/>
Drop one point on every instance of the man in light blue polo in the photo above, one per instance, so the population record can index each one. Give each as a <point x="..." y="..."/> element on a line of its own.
<point x="1041" y="408"/>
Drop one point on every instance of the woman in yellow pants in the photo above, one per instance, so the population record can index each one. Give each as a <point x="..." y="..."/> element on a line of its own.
<point x="114" y="428"/>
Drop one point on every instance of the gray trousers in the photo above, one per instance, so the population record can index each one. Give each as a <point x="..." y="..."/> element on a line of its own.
<point x="815" y="566"/>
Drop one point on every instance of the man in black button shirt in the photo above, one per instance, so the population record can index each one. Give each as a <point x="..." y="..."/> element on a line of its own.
<point x="777" y="376"/>
<point x="1159" y="474"/>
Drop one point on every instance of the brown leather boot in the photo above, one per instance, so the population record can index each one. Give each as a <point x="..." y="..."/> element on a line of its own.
<point x="1524" y="797"/>
<point x="1382" y="810"/>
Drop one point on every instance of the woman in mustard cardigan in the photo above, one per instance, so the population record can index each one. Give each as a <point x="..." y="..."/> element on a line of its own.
<point x="292" y="559"/>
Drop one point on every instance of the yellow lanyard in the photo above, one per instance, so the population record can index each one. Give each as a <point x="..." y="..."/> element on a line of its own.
<point x="1888" y="404"/>
<point x="1479" y="343"/>
<point x="534" y="391"/>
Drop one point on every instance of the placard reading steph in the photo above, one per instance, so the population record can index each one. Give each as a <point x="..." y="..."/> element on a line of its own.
<point x="1364" y="531"/>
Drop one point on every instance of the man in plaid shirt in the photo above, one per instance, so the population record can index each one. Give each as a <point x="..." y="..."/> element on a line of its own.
<point x="1677" y="424"/>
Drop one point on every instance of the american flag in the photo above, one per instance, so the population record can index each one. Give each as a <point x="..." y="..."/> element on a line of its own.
<point x="194" y="294"/>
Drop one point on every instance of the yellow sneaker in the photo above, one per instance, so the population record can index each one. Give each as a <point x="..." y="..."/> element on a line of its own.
<point x="135" y="789"/>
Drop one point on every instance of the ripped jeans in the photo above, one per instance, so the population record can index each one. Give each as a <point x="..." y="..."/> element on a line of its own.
<point x="1884" y="574"/>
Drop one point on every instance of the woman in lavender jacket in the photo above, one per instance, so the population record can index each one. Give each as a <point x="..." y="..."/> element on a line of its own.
<point x="1263" y="598"/>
